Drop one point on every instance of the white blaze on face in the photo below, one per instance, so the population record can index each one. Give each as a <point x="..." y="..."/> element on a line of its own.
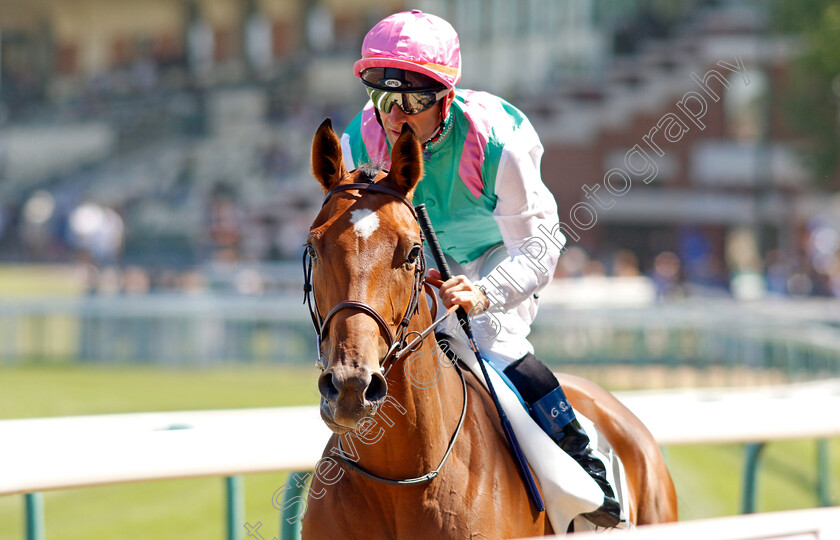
<point x="364" y="222"/>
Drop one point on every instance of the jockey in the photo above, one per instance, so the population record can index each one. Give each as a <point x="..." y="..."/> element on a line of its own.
<point x="486" y="200"/>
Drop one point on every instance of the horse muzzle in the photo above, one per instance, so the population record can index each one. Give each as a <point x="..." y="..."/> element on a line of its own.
<point x="349" y="394"/>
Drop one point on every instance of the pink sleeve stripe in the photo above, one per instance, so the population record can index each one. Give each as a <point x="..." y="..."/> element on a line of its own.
<point x="374" y="138"/>
<point x="472" y="157"/>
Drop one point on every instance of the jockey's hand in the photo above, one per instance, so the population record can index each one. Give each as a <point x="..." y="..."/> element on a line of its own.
<point x="462" y="292"/>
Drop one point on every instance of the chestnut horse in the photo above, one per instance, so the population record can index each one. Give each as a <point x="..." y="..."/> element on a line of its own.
<point x="398" y="409"/>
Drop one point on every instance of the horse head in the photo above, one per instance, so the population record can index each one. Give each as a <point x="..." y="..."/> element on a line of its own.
<point x="366" y="255"/>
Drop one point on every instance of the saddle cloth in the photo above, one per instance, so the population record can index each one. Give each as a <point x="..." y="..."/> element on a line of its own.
<point x="567" y="489"/>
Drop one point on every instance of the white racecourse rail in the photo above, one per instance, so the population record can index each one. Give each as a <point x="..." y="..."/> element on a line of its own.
<point x="814" y="524"/>
<point x="58" y="453"/>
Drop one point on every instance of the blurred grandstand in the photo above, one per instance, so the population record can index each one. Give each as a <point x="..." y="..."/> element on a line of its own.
<point x="173" y="136"/>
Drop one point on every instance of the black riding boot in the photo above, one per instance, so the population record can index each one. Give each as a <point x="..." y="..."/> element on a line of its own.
<point x="552" y="411"/>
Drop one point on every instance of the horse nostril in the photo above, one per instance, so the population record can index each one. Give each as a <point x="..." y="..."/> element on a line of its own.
<point x="377" y="389"/>
<point x="327" y="387"/>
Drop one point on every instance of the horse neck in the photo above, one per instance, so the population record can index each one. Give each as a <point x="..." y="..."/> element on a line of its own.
<point x="421" y="410"/>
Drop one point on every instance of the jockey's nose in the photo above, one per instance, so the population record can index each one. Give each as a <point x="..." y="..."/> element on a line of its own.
<point x="352" y="386"/>
<point x="397" y="117"/>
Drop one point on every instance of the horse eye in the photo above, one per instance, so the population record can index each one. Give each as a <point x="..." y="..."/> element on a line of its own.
<point x="413" y="254"/>
<point x="310" y="250"/>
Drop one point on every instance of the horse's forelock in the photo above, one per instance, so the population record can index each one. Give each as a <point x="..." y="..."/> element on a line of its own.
<point x="368" y="172"/>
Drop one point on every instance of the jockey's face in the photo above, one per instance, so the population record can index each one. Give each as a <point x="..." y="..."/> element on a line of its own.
<point x="423" y="124"/>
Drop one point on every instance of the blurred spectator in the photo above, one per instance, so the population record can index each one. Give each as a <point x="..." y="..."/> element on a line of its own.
<point x="822" y="252"/>
<point x="249" y="282"/>
<point x="594" y="268"/>
<point x="777" y="272"/>
<point x="572" y="262"/>
<point x="625" y="264"/>
<point x="258" y="39"/>
<point x="320" y="28"/>
<point x="201" y="44"/>
<point x="192" y="282"/>
<point x="98" y="231"/>
<point x="746" y="280"/>
<point x="36" y="231"/>
<point x="701" y="266"/>
<point x="109" y="282"/>
<point x="225" y="225"/>
<point x="136" y="281"/>
<point x="666" y="275"/>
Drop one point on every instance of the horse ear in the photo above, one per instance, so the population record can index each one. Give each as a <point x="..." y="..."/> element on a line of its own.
<point x="327" y="160"/>
<point x="407" y="161"/>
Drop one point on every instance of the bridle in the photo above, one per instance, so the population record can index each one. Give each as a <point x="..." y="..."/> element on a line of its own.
<point x="398" y="347"/>
<point x="396" y="340"/>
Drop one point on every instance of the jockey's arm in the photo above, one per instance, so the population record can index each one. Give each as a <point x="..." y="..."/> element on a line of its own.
<point x="524" y="203"/>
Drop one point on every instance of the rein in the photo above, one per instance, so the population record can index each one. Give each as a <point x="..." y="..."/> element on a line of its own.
<point x="429" y="476"/>
<point x="397" y="346"/>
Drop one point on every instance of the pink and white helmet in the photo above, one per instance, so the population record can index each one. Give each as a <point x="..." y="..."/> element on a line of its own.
<point x="413" y="41"/>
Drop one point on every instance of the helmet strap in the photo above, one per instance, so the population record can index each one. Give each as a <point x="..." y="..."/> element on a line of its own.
<point x="444" y="114"/>
<point x="444" y="109"/>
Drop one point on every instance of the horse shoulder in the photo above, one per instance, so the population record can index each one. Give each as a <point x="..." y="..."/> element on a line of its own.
<point x="493" y="479"/>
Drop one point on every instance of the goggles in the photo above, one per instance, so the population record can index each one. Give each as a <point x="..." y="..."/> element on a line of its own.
<point x="409" y="102"/>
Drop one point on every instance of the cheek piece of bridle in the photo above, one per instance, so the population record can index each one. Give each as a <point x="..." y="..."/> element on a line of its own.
<point x="398" y="347"/>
